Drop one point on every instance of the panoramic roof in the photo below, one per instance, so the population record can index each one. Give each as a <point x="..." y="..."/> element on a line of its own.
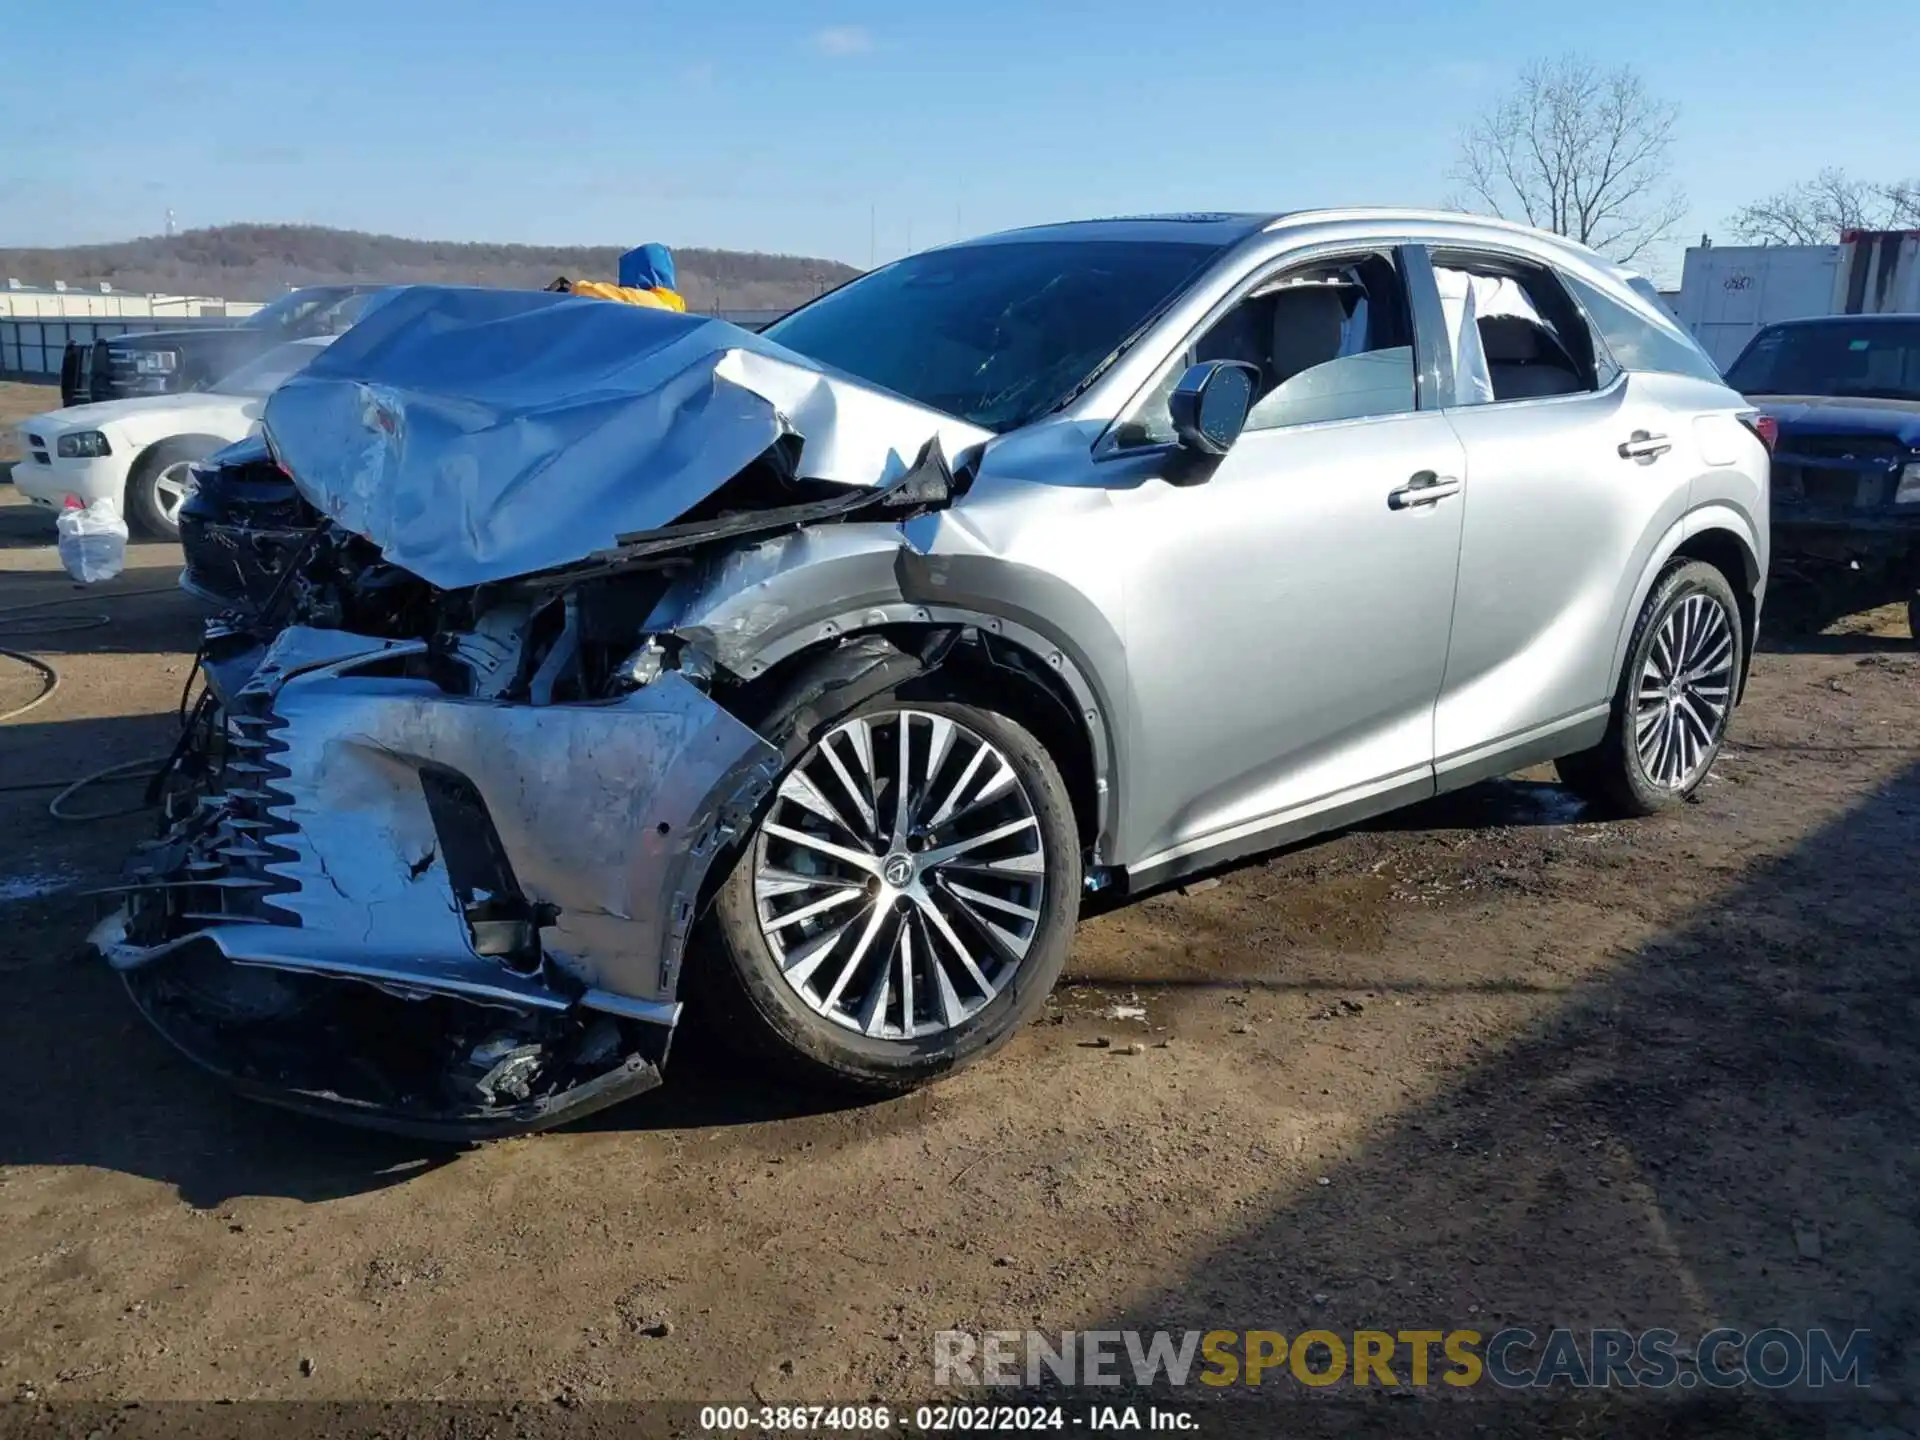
<point x="1200" y="228"/>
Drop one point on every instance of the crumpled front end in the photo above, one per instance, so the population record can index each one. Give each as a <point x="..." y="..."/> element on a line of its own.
<point x="439" y="828"/>
<point x="425" y="910"/>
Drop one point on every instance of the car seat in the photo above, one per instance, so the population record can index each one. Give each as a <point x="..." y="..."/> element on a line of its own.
<point x="1525" y="360"/>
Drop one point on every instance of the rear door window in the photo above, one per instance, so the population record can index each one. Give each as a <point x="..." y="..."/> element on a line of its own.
<point x="1514" y="332"/>
<point x="1637" y="341"/>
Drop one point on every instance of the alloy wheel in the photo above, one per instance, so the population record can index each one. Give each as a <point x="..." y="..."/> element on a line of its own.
<point x="171" y="487"/>
<point x="900" y="875"/>
<point x="1686" y="690"/>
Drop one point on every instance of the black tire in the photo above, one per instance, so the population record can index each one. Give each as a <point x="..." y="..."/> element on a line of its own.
<point x="1913" y="616"/>
<point x="144" y="509"/>
<point x="748" y="1001"/>
<point x="1612" y="776"/>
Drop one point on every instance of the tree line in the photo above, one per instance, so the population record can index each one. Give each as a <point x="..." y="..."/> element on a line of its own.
<point x="258" y="262"/>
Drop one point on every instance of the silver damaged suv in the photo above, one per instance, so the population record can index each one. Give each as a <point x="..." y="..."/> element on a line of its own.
<point x="602" y="657"/>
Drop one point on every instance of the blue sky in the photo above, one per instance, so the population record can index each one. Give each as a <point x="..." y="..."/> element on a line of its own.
<point x="852" y="128"/>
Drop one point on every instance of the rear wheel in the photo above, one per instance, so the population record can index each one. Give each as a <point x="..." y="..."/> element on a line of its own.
<point x="1675" y="698"/>
<point x="905" y="903"/>
<point x="160" y="484"/>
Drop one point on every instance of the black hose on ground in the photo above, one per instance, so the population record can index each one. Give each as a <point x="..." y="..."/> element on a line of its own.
<point x="126" y="770"/>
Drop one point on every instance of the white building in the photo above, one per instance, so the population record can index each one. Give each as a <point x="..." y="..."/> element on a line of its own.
<point x="1729" y="292"/>
<point x="37" y="322"/>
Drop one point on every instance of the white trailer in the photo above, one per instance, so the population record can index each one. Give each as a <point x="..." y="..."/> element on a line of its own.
<point x="1729" y="292"/>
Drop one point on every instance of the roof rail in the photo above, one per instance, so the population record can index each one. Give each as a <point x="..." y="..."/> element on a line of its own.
<point x="1401" y="212"/>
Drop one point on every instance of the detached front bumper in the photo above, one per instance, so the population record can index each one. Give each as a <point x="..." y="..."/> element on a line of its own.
<point x="427" y="912"/>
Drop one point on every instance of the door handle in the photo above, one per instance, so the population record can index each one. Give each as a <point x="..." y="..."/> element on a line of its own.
<point x="1424" y="488"/>
<point x="1644" y="447"/>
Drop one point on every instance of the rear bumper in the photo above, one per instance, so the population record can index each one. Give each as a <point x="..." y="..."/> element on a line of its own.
<point x="529" y="872"/>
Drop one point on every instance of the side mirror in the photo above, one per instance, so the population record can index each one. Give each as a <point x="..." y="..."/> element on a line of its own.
<point x="1210" y="405"/>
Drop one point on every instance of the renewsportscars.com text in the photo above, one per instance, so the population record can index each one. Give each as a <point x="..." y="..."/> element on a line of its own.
<point x="1512" y="1358"/>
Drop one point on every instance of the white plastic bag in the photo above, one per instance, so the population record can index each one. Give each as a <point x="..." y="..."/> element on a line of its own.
<point x="93" y="540"/>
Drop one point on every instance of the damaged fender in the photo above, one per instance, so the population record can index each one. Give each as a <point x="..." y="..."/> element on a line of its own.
<point x="754" y="606"/>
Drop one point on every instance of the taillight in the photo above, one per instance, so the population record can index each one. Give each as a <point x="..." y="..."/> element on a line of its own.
<point x="1764" y="426"/>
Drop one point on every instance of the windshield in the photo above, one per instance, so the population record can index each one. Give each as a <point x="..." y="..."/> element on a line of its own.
<point x="290" y="310"/>
<point x="266" y="374"/>
<point x="1874" y="358"/>
<point x="345" y="313"/>
<point x="323" y="311"/>
<point x="994" y="334"/>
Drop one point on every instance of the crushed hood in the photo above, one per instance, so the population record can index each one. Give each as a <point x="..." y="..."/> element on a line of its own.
<point x="479" y="435"/>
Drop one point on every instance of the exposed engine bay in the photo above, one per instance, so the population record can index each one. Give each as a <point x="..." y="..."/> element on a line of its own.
<point x="439" y="824"/>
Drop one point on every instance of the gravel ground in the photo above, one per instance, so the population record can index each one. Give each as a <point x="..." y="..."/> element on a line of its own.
<point x="1486" y="1062"/>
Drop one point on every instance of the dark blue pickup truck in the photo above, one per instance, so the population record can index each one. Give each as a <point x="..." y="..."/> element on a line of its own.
<point x="1845" y="393"/>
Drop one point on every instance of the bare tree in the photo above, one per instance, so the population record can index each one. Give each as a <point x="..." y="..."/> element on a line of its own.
<point x="1815" y="211"/>
<point x="1581" y="151"/>
<point x="1903" y="204"/>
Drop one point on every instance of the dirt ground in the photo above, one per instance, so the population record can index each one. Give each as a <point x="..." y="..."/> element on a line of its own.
<point x="1487" y="1062"/>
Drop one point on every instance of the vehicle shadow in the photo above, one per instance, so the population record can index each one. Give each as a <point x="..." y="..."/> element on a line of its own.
<point x="710" y="1086"/>
<point x="1819" y="644"/>
<point x="1800" y="612"/>
<point x="141" y="611"/>
<point x="1511" y="802"/>
<point x="1074" y="982"/>
<point x="1489" y="804"/>
<point x="90" y="1084"/>
<point x="37" y="757"/>
<point x="24" y="525"/>
<point x="1720" y="1129"/>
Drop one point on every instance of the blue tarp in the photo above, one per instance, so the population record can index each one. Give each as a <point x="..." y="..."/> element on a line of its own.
<point x="648" y="267"/>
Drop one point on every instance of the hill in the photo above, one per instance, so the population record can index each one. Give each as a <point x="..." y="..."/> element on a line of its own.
<point x="257" y="262"/>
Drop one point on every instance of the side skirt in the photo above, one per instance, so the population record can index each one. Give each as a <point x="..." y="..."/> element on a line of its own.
<point x="1287" y="829"/>
<point x="1565" y="736"/>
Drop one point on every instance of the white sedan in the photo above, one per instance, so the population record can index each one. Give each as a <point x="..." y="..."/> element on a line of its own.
<point x="139" y="452"/>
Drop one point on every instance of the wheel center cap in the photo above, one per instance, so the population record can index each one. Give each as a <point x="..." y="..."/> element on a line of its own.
<point x="898" y="870"/>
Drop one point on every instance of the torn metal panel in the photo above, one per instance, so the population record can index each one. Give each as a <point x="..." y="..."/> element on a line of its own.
<point x="971" y="567"/>
<point x="480" y="435"/>
<point x="608" y="815"/>
<point x="396" y="1060"/>
<point x="448" y="968"/>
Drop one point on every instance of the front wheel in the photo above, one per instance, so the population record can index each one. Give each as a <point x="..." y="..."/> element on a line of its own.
<point x="1675" y="698"/>
<point x="160" y="485"/>
<point x="906" y="901"/>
